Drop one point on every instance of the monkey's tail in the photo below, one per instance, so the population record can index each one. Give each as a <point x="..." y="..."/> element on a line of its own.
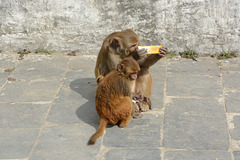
<point x="100" y="131"/>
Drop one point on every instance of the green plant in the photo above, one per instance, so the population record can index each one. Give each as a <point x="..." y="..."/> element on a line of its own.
<point x="189" y="54"/>
<point x="171" y="54"/>
<point x="43" y="51"/>
<point x="226" y="55"/>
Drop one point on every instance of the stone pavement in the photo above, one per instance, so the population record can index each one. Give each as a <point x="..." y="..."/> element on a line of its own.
<point x="47" y="111"/>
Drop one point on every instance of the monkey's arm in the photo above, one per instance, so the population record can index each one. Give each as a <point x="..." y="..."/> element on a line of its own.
<point x="151" y="59"/>
<point x="148" y="60"/>
<point x="100" y="69"/>
<point x="138" y="54"/>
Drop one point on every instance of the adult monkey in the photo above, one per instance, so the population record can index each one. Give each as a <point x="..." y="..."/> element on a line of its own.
<point x="122" y="44"/>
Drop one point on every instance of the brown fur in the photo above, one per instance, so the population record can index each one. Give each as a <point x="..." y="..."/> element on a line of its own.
<point x="114" y="48"/>
<point x="113" y="97"/>
<point x="117" y="46"/>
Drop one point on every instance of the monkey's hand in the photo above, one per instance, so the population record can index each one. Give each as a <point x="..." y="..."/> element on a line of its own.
<point x="163" y="51"/>
<point x="139" y="53"/>
<point x="144" y="103"/>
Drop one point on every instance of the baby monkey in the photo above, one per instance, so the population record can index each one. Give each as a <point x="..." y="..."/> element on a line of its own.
<point x="113" y="96"/>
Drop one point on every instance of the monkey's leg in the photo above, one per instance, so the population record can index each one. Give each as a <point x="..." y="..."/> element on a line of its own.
<point x="125" y="122"/>
<point x="124" y="111"/>
<point x="143" y="90"/>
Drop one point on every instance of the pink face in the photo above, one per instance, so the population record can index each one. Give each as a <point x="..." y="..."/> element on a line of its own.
<point x="133" y="76"/>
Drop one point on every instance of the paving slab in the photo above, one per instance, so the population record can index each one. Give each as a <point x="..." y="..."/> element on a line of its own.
<point x="49" y="68"/>
<point x="231" y="65"/>
<point x="8" y="61"/>
<point x="157" y="95"/>
<point x="83" y="63"/>
<point x="198" y="124"/>
<point x="75" y="103"/>
<point x="17" y="143"/>
<point x="231" y="80"/>
<point x="29" y="91"/>
<point x="144" y="132"/>
<point x="3" y="79"/>
<point x="203" y="66"/>
<point x="22" y="115"/>
<point x="197" y="155"/>
<point x="65" y="142"/>
<point x="7" y="66"/>
<point x="132" y="154"/>
<point x="47" y="111"/>
<point x="193" y="85"/>
<point x="235" y="132"/>
<point x="159" y="74"/>
<point x="232" y="101"/>
<point x="236" y="155"/>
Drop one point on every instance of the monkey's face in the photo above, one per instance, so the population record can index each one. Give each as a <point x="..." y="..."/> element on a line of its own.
<point x="129" y="68"/>
<point x="133" y="47"/>
<point x="128" y="41"/>
<point x="132" y="69"/>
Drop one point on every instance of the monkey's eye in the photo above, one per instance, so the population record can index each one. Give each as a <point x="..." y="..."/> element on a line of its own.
<point x="134" y="45"/>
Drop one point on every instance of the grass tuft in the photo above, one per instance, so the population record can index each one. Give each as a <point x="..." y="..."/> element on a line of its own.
<point x="43" y="51"/>
<point x="171" y="54"/>
<point x="226" y="55"/>
<point x="189" y="54"/>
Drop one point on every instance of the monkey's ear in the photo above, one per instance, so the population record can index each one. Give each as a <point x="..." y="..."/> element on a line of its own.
<point x="120" y="67"/>
<point x="116" y="42"/>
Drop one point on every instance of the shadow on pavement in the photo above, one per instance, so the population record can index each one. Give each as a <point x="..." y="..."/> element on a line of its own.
<point x="86" y="87"/>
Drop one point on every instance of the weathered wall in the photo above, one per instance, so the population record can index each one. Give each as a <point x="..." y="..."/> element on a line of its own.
<point x="207" y="26"/>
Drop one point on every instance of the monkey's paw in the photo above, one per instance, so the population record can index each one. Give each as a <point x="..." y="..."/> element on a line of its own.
<point x="136" y="113"/>
<point x="142" y="103"/>
<point x="163" y="51"/>
<point x="144" y="106"/>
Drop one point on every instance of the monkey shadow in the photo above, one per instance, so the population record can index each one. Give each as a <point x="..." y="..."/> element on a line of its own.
<point x="87" y="113"/>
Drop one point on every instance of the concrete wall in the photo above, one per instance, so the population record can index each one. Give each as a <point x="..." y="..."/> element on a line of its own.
<point x="206" y="26"/>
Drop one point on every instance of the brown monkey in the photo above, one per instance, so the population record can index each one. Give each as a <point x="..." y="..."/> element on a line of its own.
<point x="113" y="96"/>
<point x="122" y="44"/>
